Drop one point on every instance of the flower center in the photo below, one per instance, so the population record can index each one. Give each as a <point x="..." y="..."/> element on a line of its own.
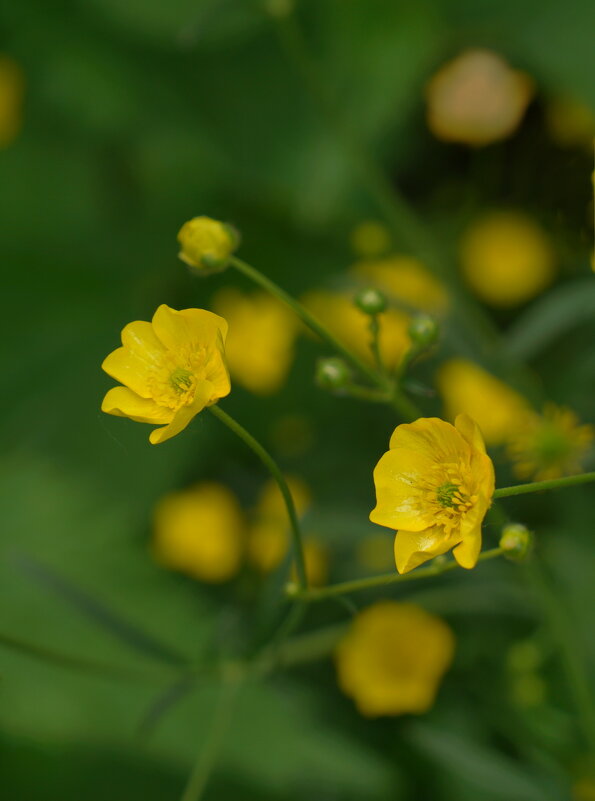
<point x="181" y="380"/>
<point x="446" y="494"/>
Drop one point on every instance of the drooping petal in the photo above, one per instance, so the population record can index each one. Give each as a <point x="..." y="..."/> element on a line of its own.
<point x="175" y="329"/>
<point x="139" y="338"/>
<point x="129" y="369"/>
<point x="435" y="438"/>
<point x="401" y="500"/>
<point x="412" y="548"/>
<point x="203" y="394"/>
<point x="123" y="402"/>
<point x="467" y="552"/>
<point x="216" y="371"/>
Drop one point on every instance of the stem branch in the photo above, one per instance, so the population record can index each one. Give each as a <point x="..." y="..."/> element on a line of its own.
<point x="538" y="486"/>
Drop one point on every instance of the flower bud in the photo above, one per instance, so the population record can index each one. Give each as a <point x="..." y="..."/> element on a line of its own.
<point x="332" y="373"/>
<point x="423" y="330"/>
<point x="516" y="541"/>
<point x="371" y="301"/>
<point x="207" y="244"/>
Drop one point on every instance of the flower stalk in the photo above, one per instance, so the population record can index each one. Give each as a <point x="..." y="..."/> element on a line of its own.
<point x="539" y="486"/>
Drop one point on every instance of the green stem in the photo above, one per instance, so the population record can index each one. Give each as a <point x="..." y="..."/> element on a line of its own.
<point x="207" y="757"/>
<point x="276" y="473"/>
<point x="396" y="397"/>
<point x="320" y="593"/>
<point x="538" y="486"/>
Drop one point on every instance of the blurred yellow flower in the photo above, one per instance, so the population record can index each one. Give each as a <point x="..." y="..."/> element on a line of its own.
<point x="171" y="369"/>
<point x="206" y="243"/>
<point x="434" y="485"/>
<point x="570" y="122"/>
<point x="507" y="258"/>
<point x="370" y="239"/>
<point x="393" y="658"/>
<point x="550" y="445"/>
<point x="467" y="388"/>
<point x="339" y="313"/>
<point x="405" y="280"/>
<point x="200" y="532"/>
<point x="316" y="559"/>
<point x="268" y="540"/>
<point x="375" y="553"/>
<point x="12" y="84"/>
<point x="260" y="343"/>
<point x="584" y="789"/>
<point x="477" y="99"/>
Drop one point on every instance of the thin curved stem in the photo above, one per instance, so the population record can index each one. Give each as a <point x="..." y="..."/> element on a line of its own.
<point x="395" y="396"/>
<point x="321" y="593"/>
<point x="539" y="486"/>
<point x="276" y="473"/>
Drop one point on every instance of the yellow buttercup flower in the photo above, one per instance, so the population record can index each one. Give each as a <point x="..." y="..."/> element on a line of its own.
<point x="269" y="536"/>
<point x="206" y="244"/>
<point x="467" y="388"/>
<point x="370" y="239"/>
<point x="339" y="313"/>
<point x="406" y="281"/>
<point x="434" y="485"/>
<point x="260" y="343"/>
<point x="477" y="99"/>
<point x="11" y="100"/>
<point x="393" y="658"/>
<point x="200" y="532"/>
<point x="550" y="445"/>
<point x="171" y="369"/>
<point x="507" y="258"/>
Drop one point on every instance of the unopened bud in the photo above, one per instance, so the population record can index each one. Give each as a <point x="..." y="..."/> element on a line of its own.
<point x="206" y="244"/>
<point x="423" y="330"/>
<point x="371" y="301"/>
<point x="332" y="373"/>
<point x="516" y="541"/>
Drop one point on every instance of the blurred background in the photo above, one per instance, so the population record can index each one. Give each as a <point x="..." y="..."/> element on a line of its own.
<point x="439" y="149"/>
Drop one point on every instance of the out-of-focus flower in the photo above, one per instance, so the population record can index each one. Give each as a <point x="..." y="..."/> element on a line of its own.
<point x="200" y="532"/>
<point x="370" y="239"/>
<point x="550" y="445"/>
<point x="351" y="326"/>
<point x="12" y="84"/>
<point x="584" y="789"/>
<point x="171" y="368"/>
<point x="260" y="343"/>
<point x="316" y="561"/>
<point x="477" y="99"/>
<point x="393" y="658"/>
<point x="207" y="244"/>
<point x="570" y="122"/>
<point x="375" y="553"/>
<point x="269" y="536"/>
<point x="434" y="485"/>
<point x="507" y="258"/>
<point x="406" y="281"/>
<point x="468" y="389"/>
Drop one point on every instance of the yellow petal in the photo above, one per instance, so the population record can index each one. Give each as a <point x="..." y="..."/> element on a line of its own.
<point x="123" y="402"/>
<point x="401" y="501"/>
<point x="188" y="327"/>
<point x="469" y="430"/>
<point x="217" y="373"/>
<point x="202" y="396"/>
<point x="412" y="548"/>
<point x="435" y="438"/>
<point x="129" y="369"/>
<point x="139" y="338"/>
<point x="467" y="552"/>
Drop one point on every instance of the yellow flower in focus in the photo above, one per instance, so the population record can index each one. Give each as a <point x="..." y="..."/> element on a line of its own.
<point x="550" y="445"/>
<point x="405" y="280"/>
<point x="200" y="532"/>
<point x="393" y="658"/>
<point x="12" y="84"/>
<point x="206" y="244"/>
<point x="370" y="239"/>
<point x="477" y="99"/>
<point x="467" y="388"/>
<point x="570" y="122"/>
<point x="171" y="369"/>
<point x="269" y="535"/>
<point x="434" y="485"/>
<point x="260" y="343"/>
<point x="507" y="258"/>
<point x="351" y="326"/>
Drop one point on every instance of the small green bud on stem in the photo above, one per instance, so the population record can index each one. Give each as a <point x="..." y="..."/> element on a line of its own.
<point x="332" y="373"/>
<point x="423" y="330"/>
<point x="371" y="301"/>
<point x="516" y="541"/>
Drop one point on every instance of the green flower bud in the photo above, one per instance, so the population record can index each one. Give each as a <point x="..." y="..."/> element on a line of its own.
<point x="423" y="330"/>
<point x="332" y="373"/>
<point x="371" y="301"/>
<point x="516" y="541"/>
<point x="206" y="245"/>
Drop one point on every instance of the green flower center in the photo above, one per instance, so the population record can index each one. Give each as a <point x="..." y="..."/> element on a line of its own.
<point x="181" y="380"/>
<point x="446" y="493"/>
